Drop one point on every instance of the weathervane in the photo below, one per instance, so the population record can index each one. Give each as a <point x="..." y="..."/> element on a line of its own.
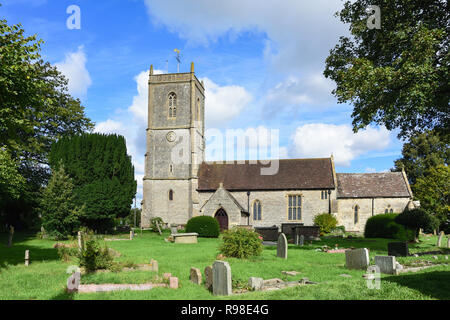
<point x="178" y="57"/>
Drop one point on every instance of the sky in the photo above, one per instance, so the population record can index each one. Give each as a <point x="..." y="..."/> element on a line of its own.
<point x="262" y="64"/>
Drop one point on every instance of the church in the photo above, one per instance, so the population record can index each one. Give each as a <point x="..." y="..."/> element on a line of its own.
<point x="178" y="183"/>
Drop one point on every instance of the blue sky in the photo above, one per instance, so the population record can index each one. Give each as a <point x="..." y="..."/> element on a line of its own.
<point x="262" y="64"/>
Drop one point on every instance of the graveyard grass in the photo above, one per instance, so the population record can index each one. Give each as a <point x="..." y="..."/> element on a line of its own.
<point x="46" y="276"/>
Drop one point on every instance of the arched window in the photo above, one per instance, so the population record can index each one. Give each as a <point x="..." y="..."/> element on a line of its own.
<point x="257" y="210"/>
<point x="356" y="214"/>
<point x="172" y="105"/>
<point x="170" y="195"/>
<point x="391" y="211"/>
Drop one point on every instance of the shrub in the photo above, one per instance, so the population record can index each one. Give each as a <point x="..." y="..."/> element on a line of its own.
<point x="417" y="218"/>
<point x="67" y="253"/>
<point x="326" y="222"/>
<point x="153" y="226"/>
<point x="384" y="226"/>
<point x="205" y="226"/>
<point x="93" y="257"/>
<point x="241" y="243"/>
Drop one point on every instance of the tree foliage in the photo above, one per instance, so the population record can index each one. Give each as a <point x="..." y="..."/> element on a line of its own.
<point x="60" y="214"/>
<point x="102" y="173"/>
<point x="396" y="76"/>
<point x="35" y="110"/>
<point x="417" y="218"/>
<point x="423" y="152"/>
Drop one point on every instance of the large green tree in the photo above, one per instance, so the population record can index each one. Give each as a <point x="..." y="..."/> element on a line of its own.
<point x="423" y="152"/>
<point x="35" y="109"/>
<point x="396" y="76"/>
<point x="102" y="173"/>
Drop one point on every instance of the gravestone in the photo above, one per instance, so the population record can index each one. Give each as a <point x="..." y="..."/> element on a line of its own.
<point x="441" y="236"/>
<point x="302" y="240"/>
<point x="398" y="249"/>
<point x="387" y="264"/>
<point x="282" y="247"/>
<point x="196" y="276"/>
<point x="256" y="284"/>
<point x="173" y="283"/>
<point x="357" y="259"/>
<point x="80" y="241"/>
<point x="208" y="278"/>
<point x="73" y="282"/>
<point x="11" y="234"/>
<point x="131" y="235"/>
<point x="154" y="265"/>
<point x="27" y="258"/>
<point x="173" y="229"/>
<point x="221" y="278"/>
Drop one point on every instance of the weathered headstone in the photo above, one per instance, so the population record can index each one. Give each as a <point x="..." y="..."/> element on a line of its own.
<point x="80" y="241"/>
<point x="256" y="284"/>
<point x="173" y="283"/>
<point x="208" y="278"/>
<point x="173" y="229"/>
<point x="27" y="258"/>
<point x="131" y="235"/>
<point x="441" y="236"/>
<point x="282" y="247"/>
<point x="154" y="265"/>
<point x="196" y="276"/>
<point x="221" y="278"/>
<point x="11" y="234"/>
<point x="357" y="259"/>
<point x="73" y="282"/>
<point x="387" y="264"/>
<point x="302" y="240"/>
<point x="398" y="249"/>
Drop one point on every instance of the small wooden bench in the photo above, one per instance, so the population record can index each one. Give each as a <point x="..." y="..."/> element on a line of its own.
<point x="185" y="237"/>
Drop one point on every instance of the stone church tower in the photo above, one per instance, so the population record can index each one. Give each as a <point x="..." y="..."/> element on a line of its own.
<point x="175" y="147"/>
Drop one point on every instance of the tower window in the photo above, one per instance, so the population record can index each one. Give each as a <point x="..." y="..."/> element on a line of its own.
<point x="170" y="195"/>
<point x="257" y="210"/>
<point x="172" y="105"/>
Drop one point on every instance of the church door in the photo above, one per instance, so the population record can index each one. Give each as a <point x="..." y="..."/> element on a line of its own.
<point x="222" y="217"/>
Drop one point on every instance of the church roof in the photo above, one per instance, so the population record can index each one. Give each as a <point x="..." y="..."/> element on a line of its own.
<point x="372" y="185"/>
<point x="293" y="174"/>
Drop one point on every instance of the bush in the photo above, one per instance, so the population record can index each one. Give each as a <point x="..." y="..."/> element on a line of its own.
<point x="153" y="226"/>
<point x="326" y="222"/>
<point x="241" y="243"/>
<point x="417" y="218"/>
<point x="67" y="253"/>
<point x="93" y="257"/>
<point x="205" y="226"/>
<point x="384" y="226"/>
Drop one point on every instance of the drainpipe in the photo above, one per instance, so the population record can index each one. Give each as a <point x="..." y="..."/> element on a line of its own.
<point x="248" y="207"/>
<point x="329" y="201"/>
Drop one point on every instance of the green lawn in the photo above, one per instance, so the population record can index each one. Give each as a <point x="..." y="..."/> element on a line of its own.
<point x="46" y="277"/>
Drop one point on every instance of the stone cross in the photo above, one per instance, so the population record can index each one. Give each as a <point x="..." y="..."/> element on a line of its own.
<point x="11" y="233"/>
<point x="441" y="236"/>
<point x="208" y="278"/>
<point x="73" y="282"/>
<point x="196" y="276"/>
<point x="221" y="278"/>
<point x="282" y="247"/>
<point x="357" y="259"/>
<point x="27" y="258"/>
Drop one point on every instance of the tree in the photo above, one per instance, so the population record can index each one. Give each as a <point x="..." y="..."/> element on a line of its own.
<point x="35" y="109"/>
<point x="396" y="76"/>
<point x="102" y="173"/>
<point x="415" y="219"/>
<point x="433" y="191"/>
<point x="60" y="214"/>
<point x="423" y="151"/>
<point x="11" y="182"/>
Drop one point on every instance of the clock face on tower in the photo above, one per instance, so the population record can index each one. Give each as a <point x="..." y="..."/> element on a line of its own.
<point x="171" y="136"/>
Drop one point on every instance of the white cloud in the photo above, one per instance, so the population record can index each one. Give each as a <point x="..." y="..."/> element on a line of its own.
<point x="322" y="140"/>
<point x="74" y="68"/>
<point x="223" y="103"/>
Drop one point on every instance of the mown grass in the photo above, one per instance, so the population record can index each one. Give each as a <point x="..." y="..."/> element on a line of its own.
<point x="46" y="277"/>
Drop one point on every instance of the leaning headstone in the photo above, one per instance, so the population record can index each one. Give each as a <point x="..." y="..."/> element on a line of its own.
<point x="159" y="229"/>
<point x="357" y="259"/>
<point x="208" y="278"/>
<point x="27" y="258"/>
<point x="441" y="236"/>
<point x="73" y="282"/>
<point x="196" y="276"/>
<point x="11" y="234"/>
<point x="398" y="249"/>
<point x="221" y="278"/>
<point x="387" y="264"/>
<point x="282" y="247"/>
<point x="256" y="284"/>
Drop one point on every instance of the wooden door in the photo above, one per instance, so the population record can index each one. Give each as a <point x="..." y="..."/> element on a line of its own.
<point x="222" y="217"/>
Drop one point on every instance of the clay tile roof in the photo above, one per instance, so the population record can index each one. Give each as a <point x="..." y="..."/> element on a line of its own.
<point x="292" y="174"/>
<point x="372" y="185"/>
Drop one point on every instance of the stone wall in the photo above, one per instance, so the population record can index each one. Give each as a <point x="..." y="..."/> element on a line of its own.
<point x="346" y="209"/>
